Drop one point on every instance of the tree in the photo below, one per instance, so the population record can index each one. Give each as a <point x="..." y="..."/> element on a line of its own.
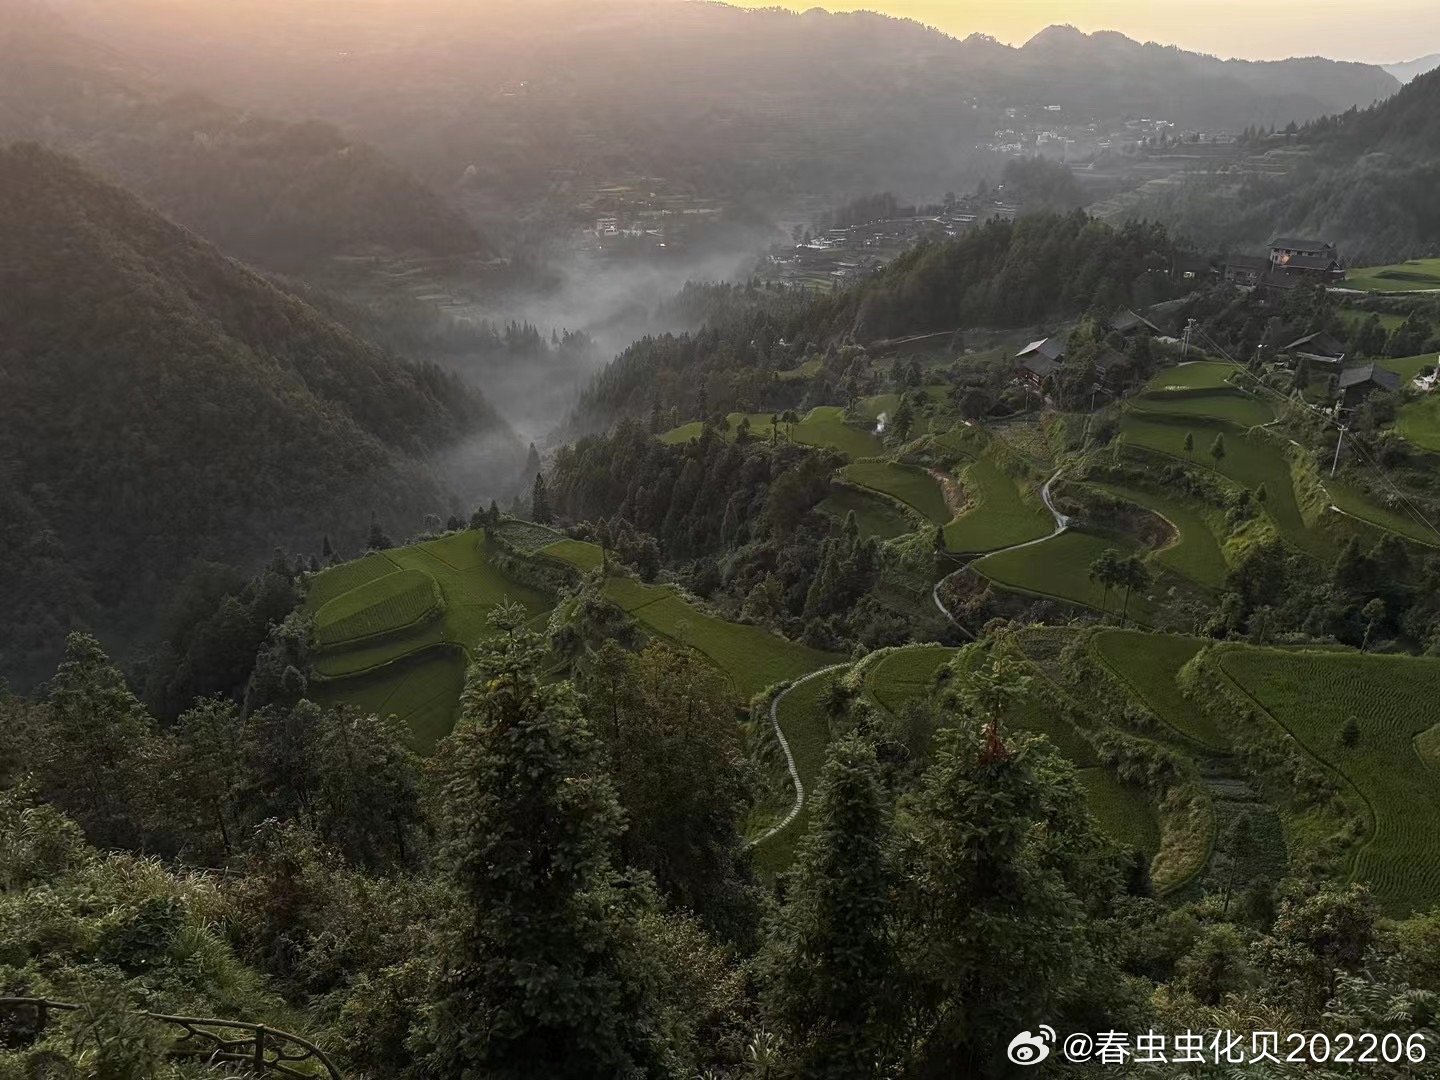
<point x="1350" y="733"/>
<point x="538" y="973"/>
<point x="667" y="717"/>
<point x="207" y="768"/>
<point x="94" y="752"/>
<point x="829" y="968"/>
<point x="1189" y="442"/>
<point x="1215" y="965"/>
<point x="1240" y="847"/>
<point x="904" y="419"/>
<point x="378" y="541"/>
<point x="1133" y="574"/>
<point x="1217" y="448"/>
<point x="367" y="797"/>
<point x="540" y="502"/>
<point x="1105" y="572"/>
<point x="1373" y="613"/>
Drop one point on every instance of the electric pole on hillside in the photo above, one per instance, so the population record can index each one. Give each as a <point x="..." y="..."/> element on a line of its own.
<point x="1338" y="443"/>
<point x="1185" y="342"/>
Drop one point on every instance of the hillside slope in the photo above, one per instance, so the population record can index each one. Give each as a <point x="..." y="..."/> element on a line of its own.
<point x="262" y="189"/>
<point x="729" y="99"/>
<point x="160" y="403"/>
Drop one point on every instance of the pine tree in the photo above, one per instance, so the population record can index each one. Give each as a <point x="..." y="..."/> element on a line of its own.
<point x="378" y="540"/>
<point x="1217" y="448"/>
<point x="540" y="502"/>
<point x="538" y="973"/>
<point x="829" y="968"/>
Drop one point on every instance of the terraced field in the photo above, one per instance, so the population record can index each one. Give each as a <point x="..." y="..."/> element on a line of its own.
<point x="386" y="605"/>
<point x="1121" y="812"/>
<point x="1392" y="699"/>
<point x="1059" y="568"/>
<point x="999" y="515"/>
<point x="824" y="426"/>
<point x="1148" y="664"/>
<point x="1419" y="422"/>
<point x="1408" y="367"/>
<point x="1196" y="552"/>
<point x="1416" y="275"/>
<point x="1250" y="460"/>
<point x="876" y="517"/>
<point x="1402" y="524"/>
<point x="910" y="484"/>
<point x="403" y="662"/>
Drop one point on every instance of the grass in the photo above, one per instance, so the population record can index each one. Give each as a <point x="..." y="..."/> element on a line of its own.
<point x="1148" y="664"/>
<point x="751" y="656"/>
<point x="1419" y="421"/>
<point x="1195" y="552"/>
<point x="999" y="515"/>
<point x="876" y="517"/>
<point x="1392" y="699"/>
<point x="1395" y="521"/>
<point x="910" y="484"/>
<point x="1416" y="275"/>
<point x="1233" y="406"/>
<point x="824" y="426"/>
<point x="1059" y="568"/>
<point x="906" y="675"/>
<point x="1121" y="811"/>
<point x="422" y="689"/>
<point x="383" y="606"/>
<point x="1250" y="460"/>
<point x="1201" y="375"/>
<point x="1408" y="367"/>
<point x="413" y="670"/>
<point x="579" y="554"/>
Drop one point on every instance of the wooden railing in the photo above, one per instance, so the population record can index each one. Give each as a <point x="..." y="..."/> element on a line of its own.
<point x="256" y="1048"/>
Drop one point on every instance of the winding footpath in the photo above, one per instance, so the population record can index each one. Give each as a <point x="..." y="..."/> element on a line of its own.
<point x="799" y="803"/>
<point x="1062" y="522"/>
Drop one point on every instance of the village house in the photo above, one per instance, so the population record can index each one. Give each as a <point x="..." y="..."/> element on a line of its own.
<point x="1358" y="383"/>
<point x="1127" y="323"/>
<point x="1246" y="270"/>
<point x="1323" y="352"/>
<point x="1293" y="261"/>
<point x="1040" y="360"/>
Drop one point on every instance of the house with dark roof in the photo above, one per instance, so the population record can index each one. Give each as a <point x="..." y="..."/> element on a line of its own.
<point x="1358" y="383"/>
<point x="1323" y="352"/>
<point x="1040" y="360"/>
<point x="1244" y="269"/>
<point x="1126" y="322"/>
<point x="1294" y="260"/>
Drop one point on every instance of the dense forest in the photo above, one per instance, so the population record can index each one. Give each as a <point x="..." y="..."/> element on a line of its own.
<point x="273" y="191"/>
<point x="163" y="404"/>
<point x="1041" y="269"/>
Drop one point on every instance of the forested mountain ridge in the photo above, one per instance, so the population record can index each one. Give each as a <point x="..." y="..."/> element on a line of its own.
<point x="1364" y="180"/>
<point x="162" y="404"/>
<point x="729" y="100"/>
<point x="263" y="189"/>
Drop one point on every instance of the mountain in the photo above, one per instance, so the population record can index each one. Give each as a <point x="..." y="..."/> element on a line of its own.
<point x="160" y="403"/>
<point x="1413" y="68"/>
<point x="527" y="98"/>
<point x="267" y="190"/>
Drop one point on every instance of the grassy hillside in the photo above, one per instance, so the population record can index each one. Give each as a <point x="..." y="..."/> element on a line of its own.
<point x="189" y="405"/>
<point x="1391" y="699"/>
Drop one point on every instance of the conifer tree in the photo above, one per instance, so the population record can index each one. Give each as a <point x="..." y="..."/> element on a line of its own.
<point x="829" y="967"/>
<point x="540" y="502"/>
<point x="538" y="974"/>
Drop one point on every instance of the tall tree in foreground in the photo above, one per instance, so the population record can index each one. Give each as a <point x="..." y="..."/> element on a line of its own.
<point x="538" y="974"/>
<point x="829" y="968"/>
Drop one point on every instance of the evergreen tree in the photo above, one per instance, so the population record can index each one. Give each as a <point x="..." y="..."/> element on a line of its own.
<point x="829" y="969"/>
<point x="538" y="973"/>
<point x="378" y="540"/>
<point x="540" y="502"/>
<point x="1217" y="448"/>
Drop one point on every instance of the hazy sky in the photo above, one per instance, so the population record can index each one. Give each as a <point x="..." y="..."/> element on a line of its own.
<point x="1376" y="31"/>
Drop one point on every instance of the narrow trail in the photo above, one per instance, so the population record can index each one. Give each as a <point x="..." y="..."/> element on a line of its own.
<point x="1062" y="523"/>
<point x="799" y="803"/>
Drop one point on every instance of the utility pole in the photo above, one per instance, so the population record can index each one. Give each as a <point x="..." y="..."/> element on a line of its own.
<point x="1185" y="345"/>
<point x="1338" y="443"/>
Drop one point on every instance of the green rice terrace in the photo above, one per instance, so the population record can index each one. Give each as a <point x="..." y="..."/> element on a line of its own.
<point x="824" y="426"/>
<point x="1416" y="275"/>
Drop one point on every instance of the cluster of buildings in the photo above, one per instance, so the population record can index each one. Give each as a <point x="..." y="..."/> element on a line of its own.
<point x="1039" y="362"/>
<point x="1291" y="262"/>
<point x="1323" y="355"/>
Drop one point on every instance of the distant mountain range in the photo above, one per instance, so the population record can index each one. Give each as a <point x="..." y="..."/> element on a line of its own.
<point x="162" y="404"/>
<point x="268" y="190"/>
<point x="523" y="98"/>
<point x="1406" y="72"/>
